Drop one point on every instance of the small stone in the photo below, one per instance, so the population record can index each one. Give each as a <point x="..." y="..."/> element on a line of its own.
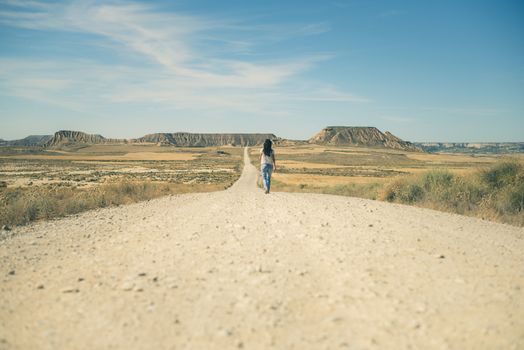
<point x="127" y="286"/>
<point x="12" y="272"/>
<point x="70" y="290"/>
<point x="6" y="228"/>
<point x="40" y="286"/>
<point x="142" y="274"/>
<point x="420" y="307"/>
<point x="80" y="279"/>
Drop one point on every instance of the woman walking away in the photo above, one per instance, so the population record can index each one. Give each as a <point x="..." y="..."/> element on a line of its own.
<point x="267" y="164"/>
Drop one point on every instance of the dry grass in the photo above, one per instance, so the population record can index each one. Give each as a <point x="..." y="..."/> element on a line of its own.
<point x="314" y="180"/>
<point x="41" y="184"/>
<point x="496" y="193"/>
<point x="404" y="177"/>
<point x="369" y="190"/>
<point x="22" y="205"/>
<point x="108" y="157"/>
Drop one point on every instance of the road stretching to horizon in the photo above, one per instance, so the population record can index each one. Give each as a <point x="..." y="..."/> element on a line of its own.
<point x="240" y="269"/>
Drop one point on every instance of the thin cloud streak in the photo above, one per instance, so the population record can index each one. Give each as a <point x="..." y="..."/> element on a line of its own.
<point x="180" y="73"/>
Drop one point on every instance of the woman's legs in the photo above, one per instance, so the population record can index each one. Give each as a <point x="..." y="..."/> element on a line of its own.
<point x="267" y="170"/>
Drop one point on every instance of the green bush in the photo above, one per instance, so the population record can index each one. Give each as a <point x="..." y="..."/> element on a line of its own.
<point x="497" y="192"/>
<point x="437" y="180"/>
<point x="22" y="205"/>
<point x="403" y="191"/>
<point x="503" y="174"/>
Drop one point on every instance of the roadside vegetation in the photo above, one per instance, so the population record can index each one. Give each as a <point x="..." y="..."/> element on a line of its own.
<point x="489" y="187"/>
<point x="49" y="184"/>
<point x="20" y="206"/>
<point x="496" y="193"/>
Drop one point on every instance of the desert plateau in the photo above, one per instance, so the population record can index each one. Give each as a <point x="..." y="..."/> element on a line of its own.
<point x="256" y="175"/>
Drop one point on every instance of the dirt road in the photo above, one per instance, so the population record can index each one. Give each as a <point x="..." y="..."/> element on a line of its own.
<point x="241" y="269"/>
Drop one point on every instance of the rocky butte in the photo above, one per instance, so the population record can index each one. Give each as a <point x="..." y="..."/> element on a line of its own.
<point x="367" y="136"/>
<point x="186" y="139"/>
<point x="67" y="137"/>
<point x="181" y="139"/>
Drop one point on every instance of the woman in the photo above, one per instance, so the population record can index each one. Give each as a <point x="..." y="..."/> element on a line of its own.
<point x="267" y="164"/>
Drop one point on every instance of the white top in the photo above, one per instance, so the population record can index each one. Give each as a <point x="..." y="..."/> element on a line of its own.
<point x="265" y="159"/>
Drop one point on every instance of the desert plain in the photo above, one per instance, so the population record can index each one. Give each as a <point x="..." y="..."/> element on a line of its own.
<point x="236" y="268"/>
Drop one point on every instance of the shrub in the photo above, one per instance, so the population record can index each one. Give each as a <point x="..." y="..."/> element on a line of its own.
<point x="22" y="205"/>
<point x="510" y="200"/>
<point x="403" y="190"/>
<point x="437" y="180"/>
<point x="497" y="192"/>
<point x="502" y="174"/>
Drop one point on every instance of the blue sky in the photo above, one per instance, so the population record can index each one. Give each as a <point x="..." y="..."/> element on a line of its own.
<point x="424" y="70"/>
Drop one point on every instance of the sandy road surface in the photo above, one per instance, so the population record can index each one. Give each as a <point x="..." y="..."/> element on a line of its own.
<point x="240" y="269"/>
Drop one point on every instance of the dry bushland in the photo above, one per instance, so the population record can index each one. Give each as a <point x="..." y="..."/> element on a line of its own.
<point x="490" y="187"/>
<point x="47" y="186"/>
<point x="21" y="205"/>
<point x="496" y="193"/>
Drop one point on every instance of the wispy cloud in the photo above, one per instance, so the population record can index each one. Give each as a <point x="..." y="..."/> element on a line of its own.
<point x="399" y="119"/>
<point x="179" y="65"/>
<point x="391" y="13"/>
<point x="472" y="111"/>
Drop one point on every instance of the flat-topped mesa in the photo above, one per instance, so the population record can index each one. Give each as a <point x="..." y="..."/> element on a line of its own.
<point x="65" y="137"/>
<point x="361" y="136"/>
<point x="186" y="139"/>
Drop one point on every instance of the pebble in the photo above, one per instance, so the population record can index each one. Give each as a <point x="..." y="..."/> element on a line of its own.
<point x="70" y="290"/>
<point x="12" y="272"/>
<point x="127" y="286"/>
<point x="420" y="307"/>
<point x="6" y="228"/>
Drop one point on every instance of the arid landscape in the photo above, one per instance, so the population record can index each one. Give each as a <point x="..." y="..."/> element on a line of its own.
<point x="238" y="269"/>
<point x="39" y="183"/>
<point x="43" y="177"/>
<point x="138" y="212"/>
<point x="458" y="180"/>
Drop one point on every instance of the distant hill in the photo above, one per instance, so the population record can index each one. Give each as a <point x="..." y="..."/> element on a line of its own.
<point x="32" y="140"/>
<point x="68" y="137"/>
<point x="186" y="139"/>
<point x="472" y="147"/>
<point x="361" y="136"/>
<point x="182" y="139"/>
<point x="331" y="135"/>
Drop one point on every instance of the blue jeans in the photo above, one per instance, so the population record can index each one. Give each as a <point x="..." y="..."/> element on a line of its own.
<point x="267" y="170"/>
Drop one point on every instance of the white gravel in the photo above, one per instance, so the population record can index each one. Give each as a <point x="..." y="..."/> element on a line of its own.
<point x="241" y="269"/>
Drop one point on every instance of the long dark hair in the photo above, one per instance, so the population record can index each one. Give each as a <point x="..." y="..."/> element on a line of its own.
<point x="267" y="147"/>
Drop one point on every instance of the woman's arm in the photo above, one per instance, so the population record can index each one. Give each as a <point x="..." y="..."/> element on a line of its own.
<point x="274" y="161"/>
